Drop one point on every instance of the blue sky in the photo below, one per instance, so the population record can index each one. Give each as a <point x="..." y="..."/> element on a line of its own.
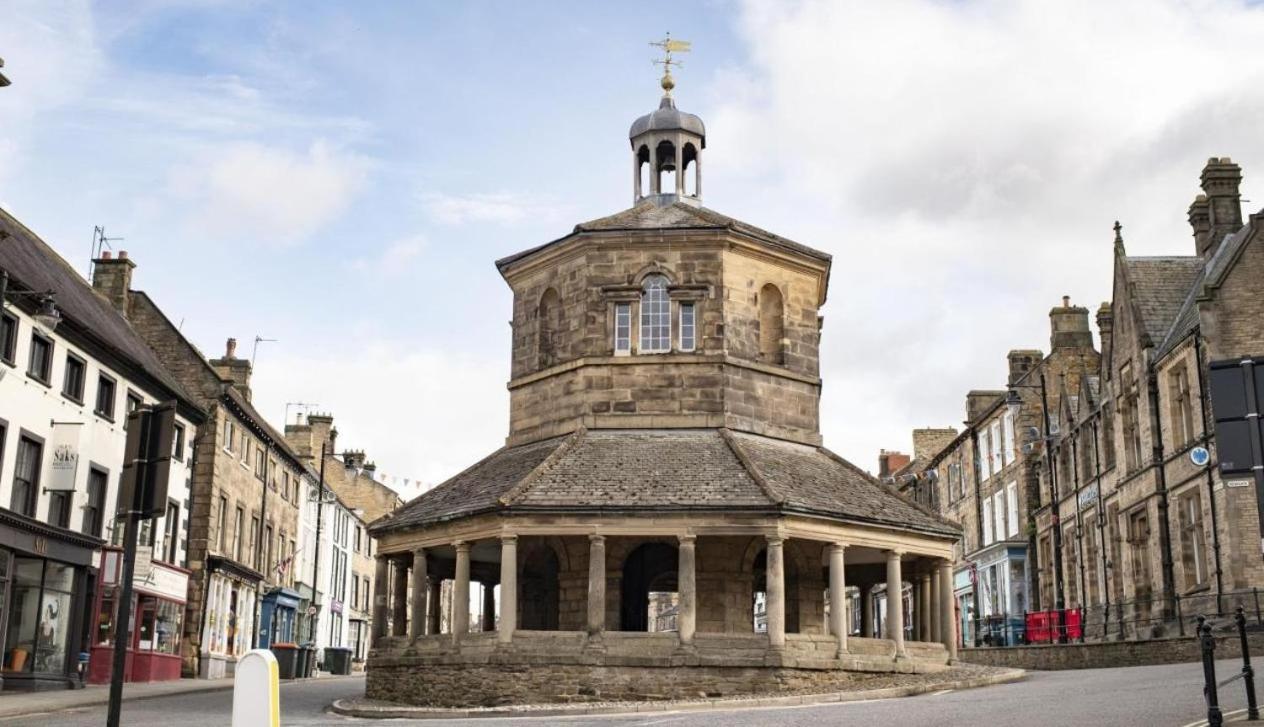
<point x="340" y="176"/>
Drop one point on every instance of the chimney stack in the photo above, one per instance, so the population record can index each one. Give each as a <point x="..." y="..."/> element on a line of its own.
<point x="1200" y="223"/>
<point x="890" y="462"/>
<point x="112" y="279"/>
<point x="1220" y="181"/>
<point x="929" y="442"/>
<point x="1068" y="326"/>
<point x="233" y="370"/>
<point x="1021" y="361"/>
<point x="1105" y="325"/>
<point x="979" y="401"/>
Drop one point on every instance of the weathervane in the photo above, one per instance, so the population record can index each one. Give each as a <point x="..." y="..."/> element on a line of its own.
<point x="669" y="46"/>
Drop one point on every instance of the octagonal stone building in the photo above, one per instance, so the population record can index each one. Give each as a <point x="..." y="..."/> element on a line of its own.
<point x="663" y="518"/>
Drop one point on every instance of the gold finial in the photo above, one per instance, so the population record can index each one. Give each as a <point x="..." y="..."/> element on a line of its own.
<point x="669" y="46"/>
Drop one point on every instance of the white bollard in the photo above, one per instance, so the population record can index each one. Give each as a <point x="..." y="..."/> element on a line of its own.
<point x="256" y="690"/>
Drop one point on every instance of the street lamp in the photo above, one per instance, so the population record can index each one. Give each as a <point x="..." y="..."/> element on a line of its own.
<point x="1014" y="402"/>
<point x="46" y="315"/>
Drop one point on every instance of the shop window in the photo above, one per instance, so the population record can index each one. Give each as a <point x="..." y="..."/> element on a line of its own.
<point x="39" y="616"/>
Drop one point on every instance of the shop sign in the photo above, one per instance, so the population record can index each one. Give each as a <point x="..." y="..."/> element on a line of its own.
<point x="64" y="464"/>
<point x="164" y="581"/>
<point x="1088" y="496"/>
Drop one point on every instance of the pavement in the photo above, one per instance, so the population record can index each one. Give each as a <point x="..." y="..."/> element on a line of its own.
<point x="1151" y="696"/>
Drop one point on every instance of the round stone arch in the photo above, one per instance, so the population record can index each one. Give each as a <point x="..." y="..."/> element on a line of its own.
<point x="540" y="565"/>
<point x="796" y="569"/>
<point x="654" y="268"/>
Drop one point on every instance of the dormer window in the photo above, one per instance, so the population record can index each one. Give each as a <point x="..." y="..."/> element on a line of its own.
<point x="655" y="316"/>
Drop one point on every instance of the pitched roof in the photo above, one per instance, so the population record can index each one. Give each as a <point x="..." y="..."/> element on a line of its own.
<point x="35" y="265"/>
<point x="649" y="215"/>
<point x="1159" y="288"/>
<point x="1212" y="274"/>
<point x="665" y="470"/>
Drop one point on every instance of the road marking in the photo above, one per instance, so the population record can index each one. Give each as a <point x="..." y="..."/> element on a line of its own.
<point x="940" y="692"/>
<point x="1203" y="722"/>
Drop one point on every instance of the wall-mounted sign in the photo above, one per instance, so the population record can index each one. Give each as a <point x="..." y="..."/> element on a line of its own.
<point x="64" y="463"/>
<point x="1087" y="496"/>
<point x="1238" y="483"/>
<point x="1199" y="456"/>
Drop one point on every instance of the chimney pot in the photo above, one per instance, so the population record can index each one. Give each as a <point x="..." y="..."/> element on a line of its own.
<point x="122" y="254"/>
<point x="1066" y="301"/>
<point x="230" y="349"/>
<point x="106" y="255"/>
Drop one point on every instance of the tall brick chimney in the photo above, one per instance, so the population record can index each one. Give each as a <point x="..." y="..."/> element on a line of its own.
<point x="891" y="461"/>
<point x="1106" y="326"/>
<point x="112" y="278"/>
<point x="233" y="370"/>
<point x="1220" y="180"/>
<point x="1021" y="361"/>
<point x="1068" y="326"/>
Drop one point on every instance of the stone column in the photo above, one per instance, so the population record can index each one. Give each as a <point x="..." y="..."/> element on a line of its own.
<point x="508" y="588"/>
<point x="895" y="602"/>
<point x="775" y="593"/>
<point x="636" y="176"/>
<point x="433" y="614"/>
<point x="838" y="596"/>
<point x="947" y="614"/>
<point x="697" y="174"/>
<point x="596" y="585"/>
<point x="687" y="617"/>
<point x="680" y="170"/>
<point x="936" y="627"/>
<point x="915" y="617"/>
<point x="461" y="592"/>
<point x="399" y="602"/>
<point x="924" y="607"/>
<point x="656" y="176"/>
<point x="381" y="575"/>
<point x="489" y="605"/>
<point x="417" y="623"/>
<point x="866" y="611"/>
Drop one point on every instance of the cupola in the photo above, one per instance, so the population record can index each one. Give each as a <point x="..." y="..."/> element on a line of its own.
<point x="667" y="145"/>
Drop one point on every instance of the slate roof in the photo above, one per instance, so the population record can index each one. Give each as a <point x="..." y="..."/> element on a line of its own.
<point x="649" y="215"/>
<point x="1186" y="318"/>
<point x="1160" y="286"/>
<point x="32" y="264"/>
<point x="658" y="470"/>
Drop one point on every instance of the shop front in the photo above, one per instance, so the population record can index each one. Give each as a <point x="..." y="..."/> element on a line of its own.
<point x="963" y="590"/>
<point x="44" y="593"/>
<point x="159" y="594"/>
<point x="227" y="627"/>
<point x="277" y="617"/>
<point x="1002" y="583"/>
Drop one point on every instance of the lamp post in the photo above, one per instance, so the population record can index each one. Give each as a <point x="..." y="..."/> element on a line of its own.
<point x="1015" y="404"/>
<point x="353" y="466"/>
<point x="46" y="315"/>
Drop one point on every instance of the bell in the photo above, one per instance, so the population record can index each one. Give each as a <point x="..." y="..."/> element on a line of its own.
<point x="668" y="165"/>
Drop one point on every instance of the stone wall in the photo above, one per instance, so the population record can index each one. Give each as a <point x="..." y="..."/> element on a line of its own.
<point x="1109" y="654"/>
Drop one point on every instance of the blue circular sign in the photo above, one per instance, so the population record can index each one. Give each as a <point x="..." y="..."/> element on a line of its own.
<point x="1199" y="456"/>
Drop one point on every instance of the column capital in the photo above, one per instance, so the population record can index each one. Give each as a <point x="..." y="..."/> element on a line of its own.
<point x="596" y="538"/>
<point x="838" y="545"/>
<point x="511" y="538"/>
<point x="775" y="538"/>
<point x="419" y="551"/>
<point x="895" y="553"/>
<point x="687" y="539"/>
<point x="461" y="546"/>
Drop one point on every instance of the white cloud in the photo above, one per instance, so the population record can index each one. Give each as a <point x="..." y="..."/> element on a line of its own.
<point x="964" y="163"/>
<point x="396" y="258"/>
<point x="420" y="413"/>
<point x="499" y="208"/>
<point x="271" y="193"/>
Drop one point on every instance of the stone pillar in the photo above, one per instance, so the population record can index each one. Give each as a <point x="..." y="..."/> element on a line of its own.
<point x="895" y="602"/>
<point x="936" y="627"/>
<point x="596" y="585"/>
<point x="433" y="614"/>
<point x="947" y="614"/>
<point x="656" y="177"/>
<point x="399" y="602"/>
<point x="915" y="616"/>
<point x="838" y="596"/>
<point x="866" y="611"/>
<point x="697" y="174"/>
<point x="687" y="618"/>
<point x="461" y="592"/>
<point x="775" y="593"/>
<point x="924" y="607"/>
<point x="680" y="170"/>
<point x="417" y="622"/>
<point x="508" y="588"/>
<point x="489" y="606"/>
<point x="636" y="177"/>
<point x="381" y="575"/>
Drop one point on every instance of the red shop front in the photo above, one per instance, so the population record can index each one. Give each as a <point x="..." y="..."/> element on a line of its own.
<point x="159" y="594"/>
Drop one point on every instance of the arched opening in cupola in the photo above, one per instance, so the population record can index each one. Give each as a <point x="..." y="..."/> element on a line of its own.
<point x="690" y="168"/>
<point x="644" y="170"/>
<point x="665" y="165"/>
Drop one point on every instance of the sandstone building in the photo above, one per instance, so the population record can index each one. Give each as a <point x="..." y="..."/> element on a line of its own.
<point x="663" y="439"/>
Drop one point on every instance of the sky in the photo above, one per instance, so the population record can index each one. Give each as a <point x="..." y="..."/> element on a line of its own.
<point x="340" y="176"/>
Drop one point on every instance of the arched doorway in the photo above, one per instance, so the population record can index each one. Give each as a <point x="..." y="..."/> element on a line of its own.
<point x="759" y="585"/>
<point x="648" y="569"/>
<point x="538" y="584"/>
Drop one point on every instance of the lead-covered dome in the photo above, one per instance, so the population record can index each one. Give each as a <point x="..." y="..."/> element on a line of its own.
<point x="668" y="118"/>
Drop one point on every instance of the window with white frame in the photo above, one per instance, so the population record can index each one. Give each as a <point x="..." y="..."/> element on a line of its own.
<point x="998" y="508"/>
<point x="1009" y="437"/>
<point x="1011" y="508"/>
<point x="987" y="521"/>
<point x="985" y="455"/>
<point x="655" y="316"/>
<point x="997" y="446"/>
<point x="688" y="329"/>
<point x="622" y="329"/>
